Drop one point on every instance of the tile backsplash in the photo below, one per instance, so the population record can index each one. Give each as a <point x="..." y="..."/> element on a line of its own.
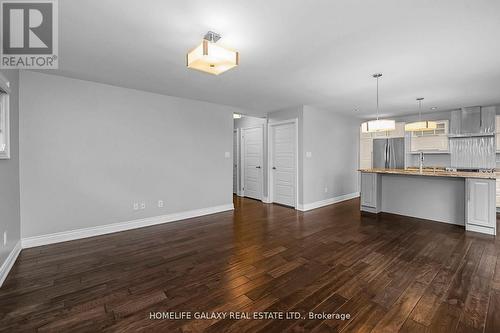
<point x="473" y="152"/>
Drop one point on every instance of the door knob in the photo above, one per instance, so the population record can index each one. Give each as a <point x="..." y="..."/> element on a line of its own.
<point x="258" y="167"/>
<point x="274" y="168"/>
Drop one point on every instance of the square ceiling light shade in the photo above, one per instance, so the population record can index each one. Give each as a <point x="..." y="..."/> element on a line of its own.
<point x="379" y="125"/>
<point x="420" y="126"/>
<point x="211" y="58"/>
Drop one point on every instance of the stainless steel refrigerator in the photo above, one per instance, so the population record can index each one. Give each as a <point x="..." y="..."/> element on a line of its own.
<point x="389" y="153"/>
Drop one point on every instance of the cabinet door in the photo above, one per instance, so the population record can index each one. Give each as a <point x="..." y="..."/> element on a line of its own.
<point x="481" y="202"/>
<point x="363" y="136"/>
<point x="365" y="153"/>
<point x="498" y="192"/>
<point x="368" y="189"/>
<point x="365" y="163"/>
<point x="429" y="143"/>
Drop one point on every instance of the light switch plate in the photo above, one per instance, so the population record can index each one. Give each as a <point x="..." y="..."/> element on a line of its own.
<point x="227" y="154"/>
<point x="309" y="154"/>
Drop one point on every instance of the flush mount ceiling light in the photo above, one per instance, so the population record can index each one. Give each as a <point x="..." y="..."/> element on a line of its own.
<point x="420" y="125"/>
<point x="378" y="125"/>
<point x="212" y="58"/>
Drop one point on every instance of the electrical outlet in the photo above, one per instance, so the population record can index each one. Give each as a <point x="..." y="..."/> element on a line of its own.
<point x="143" y="205"/>
<point x="136" y="205"/>
<point x="4" y="238"/>
<point x="160" y="203"/>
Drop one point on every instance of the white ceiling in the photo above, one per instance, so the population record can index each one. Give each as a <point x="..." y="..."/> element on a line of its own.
<point x="319" y="52"/>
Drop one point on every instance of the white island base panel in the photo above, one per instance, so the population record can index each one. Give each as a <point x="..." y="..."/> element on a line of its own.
<point x="468" y="202"/>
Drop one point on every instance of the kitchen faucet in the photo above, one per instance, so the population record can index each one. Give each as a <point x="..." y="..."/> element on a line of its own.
<point x="421" y="161"/>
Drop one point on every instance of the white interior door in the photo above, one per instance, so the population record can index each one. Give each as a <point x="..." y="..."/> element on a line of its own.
<point x="235" y="161"/>
<point x="252" y="150"/>
<point x="283" y="164"/>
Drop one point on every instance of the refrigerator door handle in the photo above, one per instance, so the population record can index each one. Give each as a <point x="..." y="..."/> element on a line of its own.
<point x="391" y="165"/>
<point x="386" y="164"/>
<point x="389" y="161"/>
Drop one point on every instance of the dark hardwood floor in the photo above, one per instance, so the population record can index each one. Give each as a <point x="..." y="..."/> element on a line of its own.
<point x="388" y="273"/>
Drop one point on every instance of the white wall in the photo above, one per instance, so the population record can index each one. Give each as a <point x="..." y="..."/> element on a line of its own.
<point x="9" y="175"/>
<point x="333" y="141"/>
<point x="88" y="151"/>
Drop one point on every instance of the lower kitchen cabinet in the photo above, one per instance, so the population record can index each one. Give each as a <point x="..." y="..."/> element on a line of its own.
<point x="480" y="208"/>
<point x="498" y="193"/>
<point x="497" y="132"/>
<point x="370" y="192"/>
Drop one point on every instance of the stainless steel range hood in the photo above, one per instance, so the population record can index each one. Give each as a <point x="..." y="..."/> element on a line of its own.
<point x="472" y="121"/>
<point x="472" y="138"/>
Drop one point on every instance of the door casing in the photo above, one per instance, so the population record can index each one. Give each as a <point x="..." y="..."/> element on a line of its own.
<point x="270" y="141"/>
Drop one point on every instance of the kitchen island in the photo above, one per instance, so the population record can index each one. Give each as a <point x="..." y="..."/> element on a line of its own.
<point x="461" y="198"/>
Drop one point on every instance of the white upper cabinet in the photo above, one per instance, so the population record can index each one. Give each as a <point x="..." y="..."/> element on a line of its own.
<point x="365" y="150"/>
<point x="365" y="153"/>
<point x="435" y="140"/>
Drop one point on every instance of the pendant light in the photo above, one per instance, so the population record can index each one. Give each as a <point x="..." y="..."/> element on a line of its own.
<point x="378" y="125"/>
<point x="420" y="125"/>
<point x="212" y="58"/>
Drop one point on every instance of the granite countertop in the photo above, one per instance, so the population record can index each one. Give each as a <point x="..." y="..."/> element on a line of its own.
<point x="433" y="173"/>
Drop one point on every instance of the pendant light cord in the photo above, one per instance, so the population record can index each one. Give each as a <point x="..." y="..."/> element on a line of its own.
<point x="420" y="110"/>
<point x="377" y="76"/>
<point x="377" y="97"/>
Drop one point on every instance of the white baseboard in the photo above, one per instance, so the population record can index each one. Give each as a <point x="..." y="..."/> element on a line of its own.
<point x="266" y="200"/>
<point x="121" y="226"/>
<point x="326" y="202"/>
<point x="9" y="262"/>
<point x="480" y="229"/>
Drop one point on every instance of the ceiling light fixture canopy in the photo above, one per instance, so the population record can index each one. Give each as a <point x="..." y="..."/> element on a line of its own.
<point x="210" y="57"/>
<point x="378" y="125"/>
<point x="420" y="125"/>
